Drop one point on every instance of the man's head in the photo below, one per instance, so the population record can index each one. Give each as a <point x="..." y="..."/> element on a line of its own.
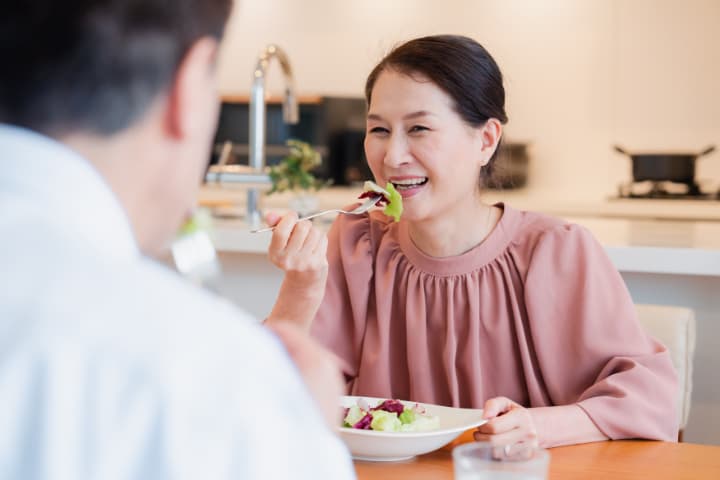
<point x="130" y="84"/>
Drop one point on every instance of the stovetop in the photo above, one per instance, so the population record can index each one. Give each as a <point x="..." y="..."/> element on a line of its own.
<point x="665" y="191"/>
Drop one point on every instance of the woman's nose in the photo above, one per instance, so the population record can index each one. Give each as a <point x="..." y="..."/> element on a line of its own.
<point x="397" y="152"/>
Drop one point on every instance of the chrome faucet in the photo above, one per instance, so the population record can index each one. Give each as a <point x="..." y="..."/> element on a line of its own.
<point x="256" y="174"/>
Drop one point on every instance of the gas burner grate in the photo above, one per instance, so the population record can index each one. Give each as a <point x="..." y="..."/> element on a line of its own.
<point x="665" y="191"/>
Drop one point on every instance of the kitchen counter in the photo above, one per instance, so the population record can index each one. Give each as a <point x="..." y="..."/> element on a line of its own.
<point x="646" y="240"/>
<point x="658" y="246"/>
<point x="548" y="202"/>
<point x="612" y="207"/>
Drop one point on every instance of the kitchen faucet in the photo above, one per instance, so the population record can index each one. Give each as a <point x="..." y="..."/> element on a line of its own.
<point x="256" y="174"/>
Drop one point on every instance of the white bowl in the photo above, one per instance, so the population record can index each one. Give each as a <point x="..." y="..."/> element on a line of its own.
<point x="394" y="446"/>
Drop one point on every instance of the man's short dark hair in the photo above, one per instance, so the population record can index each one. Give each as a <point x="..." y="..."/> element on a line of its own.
<point x="95" y="65"/>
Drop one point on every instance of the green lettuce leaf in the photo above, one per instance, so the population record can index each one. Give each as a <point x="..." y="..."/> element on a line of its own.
<point x="394" y="208"/>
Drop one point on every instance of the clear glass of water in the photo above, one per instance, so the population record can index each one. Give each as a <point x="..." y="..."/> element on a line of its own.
<point x="485" y="461"/>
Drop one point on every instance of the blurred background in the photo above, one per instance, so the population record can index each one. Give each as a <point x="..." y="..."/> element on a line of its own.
<point x="581" y="75"/>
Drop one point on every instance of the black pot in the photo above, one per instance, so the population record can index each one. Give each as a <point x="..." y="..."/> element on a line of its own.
<point x="664" y="167"/>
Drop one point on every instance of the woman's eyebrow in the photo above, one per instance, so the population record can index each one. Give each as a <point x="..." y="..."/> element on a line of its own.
<point x="409" y="116"/>
<point x="418" y="114"/>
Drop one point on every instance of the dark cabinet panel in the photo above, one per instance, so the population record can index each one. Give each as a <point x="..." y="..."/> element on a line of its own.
<point x="335" y="126"/>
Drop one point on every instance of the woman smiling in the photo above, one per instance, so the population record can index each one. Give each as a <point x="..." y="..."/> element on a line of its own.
<point x="467" y="304"/>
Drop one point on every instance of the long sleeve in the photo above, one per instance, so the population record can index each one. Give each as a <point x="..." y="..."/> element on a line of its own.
<point x="341" y="319"/>
<point x="590" y="348"/>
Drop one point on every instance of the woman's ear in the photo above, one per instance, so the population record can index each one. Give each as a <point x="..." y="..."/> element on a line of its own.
<point x="490" y="135"/>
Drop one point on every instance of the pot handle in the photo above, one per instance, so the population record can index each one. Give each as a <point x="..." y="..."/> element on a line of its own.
<point x="618" y="148"/>
<point x="709" y="149"/>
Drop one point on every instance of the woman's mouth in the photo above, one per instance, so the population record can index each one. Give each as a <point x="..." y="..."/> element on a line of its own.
<point x="409" y="186"/>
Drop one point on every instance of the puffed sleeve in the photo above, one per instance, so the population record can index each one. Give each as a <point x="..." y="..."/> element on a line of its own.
<point x="341" y="319"/>
<point x="590" y="347"/>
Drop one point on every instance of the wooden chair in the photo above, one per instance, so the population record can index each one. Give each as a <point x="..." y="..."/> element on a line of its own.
<point x="674" y="327"/>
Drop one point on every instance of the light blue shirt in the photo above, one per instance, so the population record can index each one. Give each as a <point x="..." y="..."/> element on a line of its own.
<point x="114" y="367"/>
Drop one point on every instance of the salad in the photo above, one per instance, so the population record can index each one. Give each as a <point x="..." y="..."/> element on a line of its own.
<point x="391" y="198"/>
<point x="389" y="416"/>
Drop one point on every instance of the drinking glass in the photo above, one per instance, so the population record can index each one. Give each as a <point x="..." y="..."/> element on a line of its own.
<point x="485" y="461"/>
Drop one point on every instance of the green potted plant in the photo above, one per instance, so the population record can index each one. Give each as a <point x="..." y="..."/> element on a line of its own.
<point x="293" y="174"/>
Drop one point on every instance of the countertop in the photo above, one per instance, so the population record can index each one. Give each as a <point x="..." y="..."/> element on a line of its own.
<point x="648" y="236"/>
<point x="609" y="207"/>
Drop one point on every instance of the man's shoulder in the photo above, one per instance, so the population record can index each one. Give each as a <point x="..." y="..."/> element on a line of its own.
<point x="149" y="295"/>
<point x="69" y="290"/>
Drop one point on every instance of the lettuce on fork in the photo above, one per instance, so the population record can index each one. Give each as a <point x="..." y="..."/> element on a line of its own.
<point x="391" y="198"/>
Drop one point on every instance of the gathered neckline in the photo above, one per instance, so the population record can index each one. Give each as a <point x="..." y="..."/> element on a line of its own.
<point x="480" y="255"/>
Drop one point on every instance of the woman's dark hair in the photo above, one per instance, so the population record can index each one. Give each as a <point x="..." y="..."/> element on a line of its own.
<point x="95" y="65"/>
<point x="462" y="68"/>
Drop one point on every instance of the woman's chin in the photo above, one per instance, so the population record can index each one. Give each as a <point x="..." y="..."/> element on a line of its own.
<point x="412" y="215"/>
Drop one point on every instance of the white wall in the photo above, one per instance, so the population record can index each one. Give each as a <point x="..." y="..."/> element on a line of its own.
<point x="581" y="75"/>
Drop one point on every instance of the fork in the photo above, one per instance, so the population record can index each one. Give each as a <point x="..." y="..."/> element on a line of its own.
<point x="369" y="203"/>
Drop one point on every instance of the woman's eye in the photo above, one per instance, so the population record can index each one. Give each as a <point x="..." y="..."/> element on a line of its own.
<point x="418" y="128"/>
<point x="380" y="130"/>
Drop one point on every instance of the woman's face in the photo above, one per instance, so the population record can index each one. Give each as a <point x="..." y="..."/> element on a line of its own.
<point x="418" y="142"/>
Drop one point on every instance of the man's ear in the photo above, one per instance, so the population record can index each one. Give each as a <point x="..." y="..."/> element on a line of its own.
<point x="192" y="87"/>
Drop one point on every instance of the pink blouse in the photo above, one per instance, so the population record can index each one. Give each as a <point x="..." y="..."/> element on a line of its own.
<point x="536" y="312"/>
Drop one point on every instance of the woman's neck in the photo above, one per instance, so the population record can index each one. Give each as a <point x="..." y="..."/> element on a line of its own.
<point x="451" y="235"/>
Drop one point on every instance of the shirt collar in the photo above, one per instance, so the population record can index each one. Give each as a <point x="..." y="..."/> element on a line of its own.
<point x="65" y="189"/>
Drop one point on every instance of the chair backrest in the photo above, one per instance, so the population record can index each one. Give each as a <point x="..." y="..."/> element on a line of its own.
<point x="674" y="327"/>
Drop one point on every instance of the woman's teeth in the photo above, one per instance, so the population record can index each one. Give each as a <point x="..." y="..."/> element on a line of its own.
<point x="410" y="183"/>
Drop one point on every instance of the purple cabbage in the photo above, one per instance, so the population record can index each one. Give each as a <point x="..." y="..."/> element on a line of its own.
<point x="392" y="406"/>
<point x="364" y="423"/>
<point x="381" y="203"/>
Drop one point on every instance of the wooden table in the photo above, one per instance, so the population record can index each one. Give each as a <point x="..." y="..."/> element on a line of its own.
<point x="615" y="460"/>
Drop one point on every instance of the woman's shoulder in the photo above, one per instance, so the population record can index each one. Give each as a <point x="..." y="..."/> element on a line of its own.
<point x="532" y="223"/>
<point x="555" y="248"/>
<point x="534" y="228"/>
